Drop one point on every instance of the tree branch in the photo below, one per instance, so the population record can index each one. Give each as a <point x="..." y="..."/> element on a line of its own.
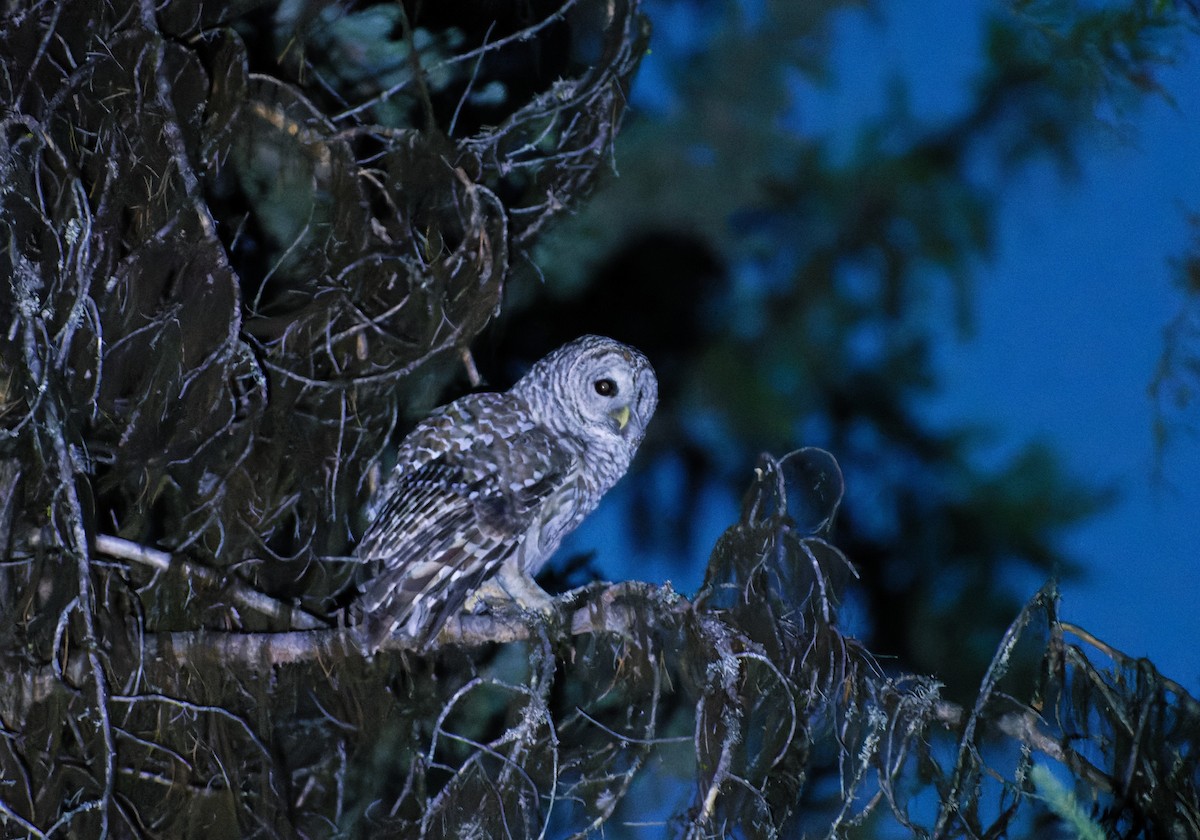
<point x="607" y="611"/>
<point x="611" y="609"/>
<point x="239" y="593"/>
<point x="1023" y="726"/>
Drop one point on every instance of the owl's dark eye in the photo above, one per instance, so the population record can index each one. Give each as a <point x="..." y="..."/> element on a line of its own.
<point x="606" y="387"/>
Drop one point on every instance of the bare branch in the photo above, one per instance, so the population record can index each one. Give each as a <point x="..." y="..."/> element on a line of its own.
<point x="200" y="577"/>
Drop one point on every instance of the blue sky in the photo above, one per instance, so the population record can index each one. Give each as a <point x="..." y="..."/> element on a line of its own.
<point x="1069" y="324"/>
<point x="1069" y="317"/>
<point x="1069" y="313"/>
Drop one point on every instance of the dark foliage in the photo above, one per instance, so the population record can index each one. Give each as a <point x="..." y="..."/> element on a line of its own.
<point x="221" y="285"/>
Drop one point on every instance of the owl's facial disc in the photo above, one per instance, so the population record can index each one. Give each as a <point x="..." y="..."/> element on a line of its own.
<point x="613" y="390"/>
<point x="607" y="388"/>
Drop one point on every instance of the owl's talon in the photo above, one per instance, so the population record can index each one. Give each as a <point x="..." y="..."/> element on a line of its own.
<point x="509" y="589"/>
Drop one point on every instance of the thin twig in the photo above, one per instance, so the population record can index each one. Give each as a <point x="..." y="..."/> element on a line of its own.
<point x="239" y="593"/>
<point x="521" y="35"/>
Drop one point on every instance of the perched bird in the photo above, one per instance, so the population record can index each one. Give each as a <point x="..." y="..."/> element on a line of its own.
<point x="486" y="487"/>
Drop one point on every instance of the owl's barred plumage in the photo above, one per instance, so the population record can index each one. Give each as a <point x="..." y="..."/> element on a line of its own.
<point x="490" y="484"/>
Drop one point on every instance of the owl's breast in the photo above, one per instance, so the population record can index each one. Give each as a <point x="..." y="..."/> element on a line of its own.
<point x="558" y="516"/>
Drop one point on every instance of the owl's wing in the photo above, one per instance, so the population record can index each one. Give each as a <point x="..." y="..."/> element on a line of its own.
<point x="471" y="481"/>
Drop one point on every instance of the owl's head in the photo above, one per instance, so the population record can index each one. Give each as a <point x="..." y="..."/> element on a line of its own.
<point x="599" y="387"/>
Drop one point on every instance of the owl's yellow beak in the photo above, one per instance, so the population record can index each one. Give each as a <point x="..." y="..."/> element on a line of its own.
<point x="621" y="415"/>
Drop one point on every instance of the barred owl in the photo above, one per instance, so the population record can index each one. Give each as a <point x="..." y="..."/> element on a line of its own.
<point x="486" y="488"/>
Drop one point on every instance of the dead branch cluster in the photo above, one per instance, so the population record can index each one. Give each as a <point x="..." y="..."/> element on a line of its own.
<point x="229" y="255"/>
